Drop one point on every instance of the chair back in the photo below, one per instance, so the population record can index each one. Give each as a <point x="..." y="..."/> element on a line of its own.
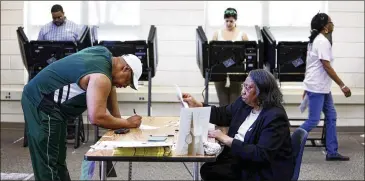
<point x="298" y="140"/>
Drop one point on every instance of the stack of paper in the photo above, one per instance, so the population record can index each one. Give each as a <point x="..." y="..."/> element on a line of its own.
<point x="135" y="148"/>
<point x="143" y="151"/>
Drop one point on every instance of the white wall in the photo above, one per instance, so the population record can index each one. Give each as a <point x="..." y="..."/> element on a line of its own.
<point x="12" y="69"/>
<point x="348" y="37"/>
<point x="176" y="23"/>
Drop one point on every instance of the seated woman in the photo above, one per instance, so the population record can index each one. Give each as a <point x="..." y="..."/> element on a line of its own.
<point x="258" y="144"/>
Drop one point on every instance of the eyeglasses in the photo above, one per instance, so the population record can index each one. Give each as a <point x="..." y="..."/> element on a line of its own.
<point x="246" y="87"/>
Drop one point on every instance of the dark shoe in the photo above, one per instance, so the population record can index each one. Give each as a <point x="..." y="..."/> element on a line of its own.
<point x="337" y="157"/>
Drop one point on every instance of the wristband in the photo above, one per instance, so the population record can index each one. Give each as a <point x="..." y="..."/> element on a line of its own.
<point x="343" y="86"/>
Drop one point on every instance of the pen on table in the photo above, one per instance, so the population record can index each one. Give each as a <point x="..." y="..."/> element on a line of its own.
<point x="169" y="135"/>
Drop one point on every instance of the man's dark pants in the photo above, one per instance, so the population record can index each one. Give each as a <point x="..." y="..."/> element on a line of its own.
<point x="47" y="142"/>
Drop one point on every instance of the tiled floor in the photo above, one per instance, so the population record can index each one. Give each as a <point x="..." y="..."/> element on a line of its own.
<point x="15" y="159"/>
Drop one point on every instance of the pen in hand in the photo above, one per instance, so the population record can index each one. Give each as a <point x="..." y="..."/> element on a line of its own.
<point x="134" y="110"/>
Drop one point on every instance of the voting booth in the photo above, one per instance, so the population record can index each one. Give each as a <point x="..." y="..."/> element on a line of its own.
<point x="36" y="55"/>
<point x="145" y="50"/>
<point x="285" y="55"/>
<point x="227" y="60"/>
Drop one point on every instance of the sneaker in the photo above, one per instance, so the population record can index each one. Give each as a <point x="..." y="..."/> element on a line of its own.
<point x="337" y="157"/>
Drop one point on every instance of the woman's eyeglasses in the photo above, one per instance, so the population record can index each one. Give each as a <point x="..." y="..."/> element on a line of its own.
<point x="246" y="87"/>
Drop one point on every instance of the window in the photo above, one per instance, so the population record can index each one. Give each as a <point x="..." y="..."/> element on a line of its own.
<point x="108" y="15"/>
<point x="266" y="13"/>
<point x="114" y="13"/>
<point x="249" y="12"/>
<point x="39" y="12"/>
<point x="293" y="13"/>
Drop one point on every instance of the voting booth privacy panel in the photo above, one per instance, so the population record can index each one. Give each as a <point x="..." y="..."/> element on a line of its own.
<point x="286" y="59"/>
<point x="218" y="60"/>
<point x="144" y="50"/>
<point x="38" y="54"/>
<point x="227" y="58"/>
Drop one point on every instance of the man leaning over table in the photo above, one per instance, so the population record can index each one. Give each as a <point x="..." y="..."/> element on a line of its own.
<point x="64" y="90"/>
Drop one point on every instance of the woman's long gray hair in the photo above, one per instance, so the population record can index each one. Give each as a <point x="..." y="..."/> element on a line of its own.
<point x="267" y="89"/>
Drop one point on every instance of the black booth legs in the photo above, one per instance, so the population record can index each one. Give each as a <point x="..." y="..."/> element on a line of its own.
<point x="25" y="141"/>
<point x="79" y="131"/>
<point x="206" y="98"/>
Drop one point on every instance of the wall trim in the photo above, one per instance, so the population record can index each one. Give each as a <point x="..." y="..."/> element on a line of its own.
<point x="292" y="94"/>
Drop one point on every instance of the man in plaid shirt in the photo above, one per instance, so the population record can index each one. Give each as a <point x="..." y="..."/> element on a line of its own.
<point x="60" y="29"/>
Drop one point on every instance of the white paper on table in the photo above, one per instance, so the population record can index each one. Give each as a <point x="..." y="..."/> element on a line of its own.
<point x="180" y="97"/>
<point x="186" y="116"/>
<point x="146" y="127"/>
<point x="103" y="145"/>
<point x="201" y="117"/>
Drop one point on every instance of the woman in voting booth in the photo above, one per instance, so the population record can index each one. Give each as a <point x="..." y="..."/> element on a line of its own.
<point x="258" y="144"/>
<point x="228" y="93"/>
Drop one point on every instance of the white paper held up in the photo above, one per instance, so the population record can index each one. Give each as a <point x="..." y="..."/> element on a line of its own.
<point x="180" y="97"/>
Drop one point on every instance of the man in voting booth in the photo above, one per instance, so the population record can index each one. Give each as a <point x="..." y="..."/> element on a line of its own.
<point x="60" y="29"/>
<point x="64" y="90"/>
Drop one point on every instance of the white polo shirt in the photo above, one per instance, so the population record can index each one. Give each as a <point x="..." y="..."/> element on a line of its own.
<point x="316" y="78"/>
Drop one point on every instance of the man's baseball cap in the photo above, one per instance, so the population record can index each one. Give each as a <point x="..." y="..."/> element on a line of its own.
<point x="136" y="66"/>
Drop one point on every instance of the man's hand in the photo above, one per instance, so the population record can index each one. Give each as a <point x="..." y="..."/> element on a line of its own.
<point x="134" y="121"/>
<point x="346" y="91"/>
<point x="191" y="101"/>
<point x="303" y="95"/>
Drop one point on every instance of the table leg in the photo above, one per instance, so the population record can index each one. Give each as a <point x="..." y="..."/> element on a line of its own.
<point x="103" y="170"/>
<point x="96" y="134"/>
<point x="196" y="173"/>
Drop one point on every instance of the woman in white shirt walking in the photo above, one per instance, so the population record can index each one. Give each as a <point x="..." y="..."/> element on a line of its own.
<point x="317" y="83"/>
<point x="227" y="94"/>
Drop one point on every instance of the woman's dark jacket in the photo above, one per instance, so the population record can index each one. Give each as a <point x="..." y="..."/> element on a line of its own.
<point x="266" y="153"/>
